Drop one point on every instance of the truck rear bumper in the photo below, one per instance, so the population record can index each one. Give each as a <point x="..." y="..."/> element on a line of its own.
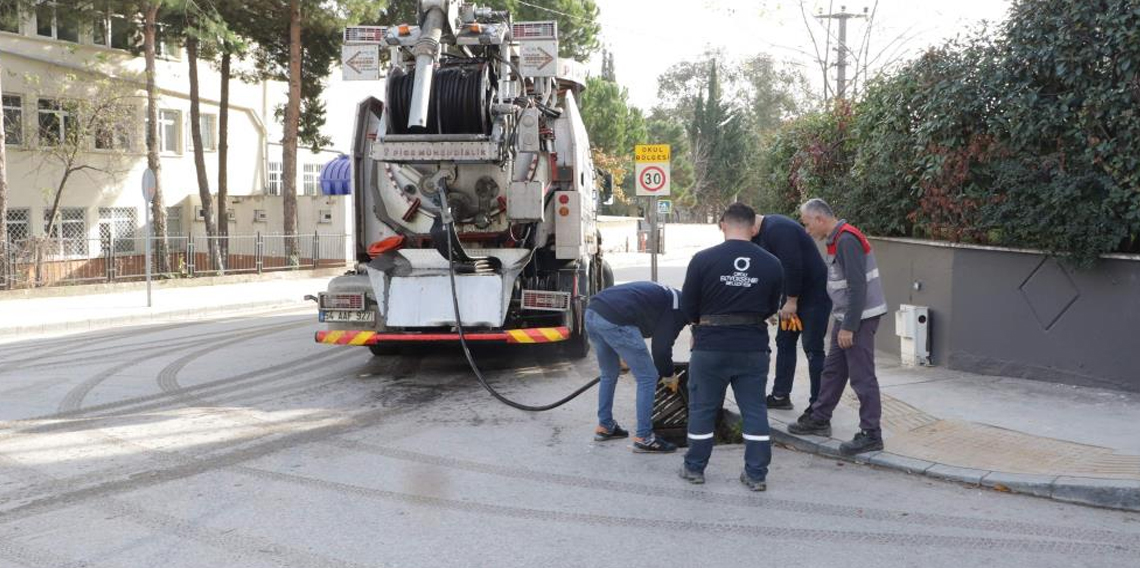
<point x="531" y="335"/>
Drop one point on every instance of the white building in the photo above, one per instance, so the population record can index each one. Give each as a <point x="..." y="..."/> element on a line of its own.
<point x="47" y="57"/>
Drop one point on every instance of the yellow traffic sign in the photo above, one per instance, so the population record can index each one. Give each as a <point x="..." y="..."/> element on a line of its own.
<point x="651" y="153"/>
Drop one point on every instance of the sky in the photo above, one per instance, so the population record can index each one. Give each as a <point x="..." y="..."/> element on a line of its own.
<point x="648" y="36"/>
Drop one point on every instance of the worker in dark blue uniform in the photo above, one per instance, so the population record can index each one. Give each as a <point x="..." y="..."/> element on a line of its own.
<point x="805" y="302"/>
<point x="730" y="291"/>
<point x="617" y="320"/>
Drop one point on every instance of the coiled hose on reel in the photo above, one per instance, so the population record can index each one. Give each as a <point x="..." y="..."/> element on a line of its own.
<point x="459" y="104"/>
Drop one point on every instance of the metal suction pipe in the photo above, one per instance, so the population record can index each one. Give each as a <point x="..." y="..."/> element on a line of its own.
<point x="426" y="50"/>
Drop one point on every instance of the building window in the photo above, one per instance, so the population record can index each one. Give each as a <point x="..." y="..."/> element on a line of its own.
<point x="45" y="20"/>
<point x="121" y="37"/>
<point x="13" y="120"/>
<point x="59" y="24"/>
<point x="274" y="186"/>
<point x="115" y="133"/>
<point x="57" y="122"/>
<point x="209" y="126"/>
<point x="165" y="45"/>
<point x="312" y="179"/>
<point x="69" y="233"/>
<point x="121" y="225"/>
<point x="114" y="31"/>
<point x="169" y="130"/>
<point x="174" y="221"/>
<point x="9" y="16"/>
<point x="19" y="225"/>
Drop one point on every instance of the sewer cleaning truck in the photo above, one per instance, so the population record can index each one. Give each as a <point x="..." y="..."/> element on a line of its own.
<point x="474" y="190"/>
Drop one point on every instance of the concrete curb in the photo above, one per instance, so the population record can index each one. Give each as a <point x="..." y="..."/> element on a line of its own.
<point x="190" y="314"/>
<point x="1098" y="492"/>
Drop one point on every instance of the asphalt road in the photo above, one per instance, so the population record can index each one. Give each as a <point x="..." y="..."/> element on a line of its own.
<point x="243" y="443"/>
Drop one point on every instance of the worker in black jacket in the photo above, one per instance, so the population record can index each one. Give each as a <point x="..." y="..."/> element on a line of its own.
<point x="730" y="291"/>
<point x="806" y="307"/>
<point x="617" y="320"/>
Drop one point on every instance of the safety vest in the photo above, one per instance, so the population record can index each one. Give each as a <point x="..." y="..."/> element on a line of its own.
<point x="876" y="303"/>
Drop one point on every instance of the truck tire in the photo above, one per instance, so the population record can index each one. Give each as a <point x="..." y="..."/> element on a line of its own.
<point x="607" y="275"/>
<point x="384" y="349"/>
<point x="578" y="346"/>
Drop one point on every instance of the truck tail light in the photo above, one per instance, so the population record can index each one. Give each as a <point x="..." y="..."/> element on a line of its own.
<point x="341" y="301"/>
<point x="545" y="301"/>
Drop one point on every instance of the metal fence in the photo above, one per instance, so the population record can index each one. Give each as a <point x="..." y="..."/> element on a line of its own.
<point x="60" y="261"/>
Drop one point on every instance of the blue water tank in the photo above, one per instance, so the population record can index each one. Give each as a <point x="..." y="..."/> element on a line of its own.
<point x="336" y="177"/>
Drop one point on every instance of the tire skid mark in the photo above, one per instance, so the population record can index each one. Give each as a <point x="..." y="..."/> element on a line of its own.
<point x="189" y="340"/>
<point x="69" y="349"/>
<point x="39" y="488"/>
<point x="73" y="400"/>
<point x="768" y="503"/>
<point x="682" y="526"/>
<point x="227" y="384"/>
<point x="175" y="460"/>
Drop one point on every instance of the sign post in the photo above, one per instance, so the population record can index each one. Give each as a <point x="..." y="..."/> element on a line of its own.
<point x="149" y="186"/>
<point x="652" y="171"/>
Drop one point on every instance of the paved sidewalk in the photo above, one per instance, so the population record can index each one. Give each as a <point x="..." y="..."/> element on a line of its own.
<point x="24" y="314"/>
<point x="1068" y="443"/>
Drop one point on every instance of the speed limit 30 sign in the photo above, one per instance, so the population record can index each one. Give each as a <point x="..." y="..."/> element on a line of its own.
<point x="652" y="169"/>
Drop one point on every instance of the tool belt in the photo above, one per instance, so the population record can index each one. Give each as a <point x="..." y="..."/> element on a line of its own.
<point x="733" y="319"/>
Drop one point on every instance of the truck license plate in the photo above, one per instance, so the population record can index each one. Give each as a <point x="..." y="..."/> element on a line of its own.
<point x="347" y="316"/>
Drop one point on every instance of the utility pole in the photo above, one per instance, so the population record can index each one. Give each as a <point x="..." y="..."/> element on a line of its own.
<point x="841" y="48"/>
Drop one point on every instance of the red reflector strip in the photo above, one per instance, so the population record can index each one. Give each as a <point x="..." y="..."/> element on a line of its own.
<point x="534" y="335"/>
<point x="371" y="337"/>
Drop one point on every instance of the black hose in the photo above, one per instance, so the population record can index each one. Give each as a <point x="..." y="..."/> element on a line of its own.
<point x="463" y="338"/>
<point x="459" y="101"/>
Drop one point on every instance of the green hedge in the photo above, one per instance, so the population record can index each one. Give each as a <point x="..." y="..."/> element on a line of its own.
<point x="1029" y="138"/>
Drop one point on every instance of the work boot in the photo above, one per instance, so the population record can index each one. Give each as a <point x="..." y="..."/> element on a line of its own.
<point x="753" y="484"/>
<point x="808" y="424"/>
<point x="864" y="441"/>
<point x="694" y="477"/>
<point x="653" y="445"/>
<point x="779" y="402"/>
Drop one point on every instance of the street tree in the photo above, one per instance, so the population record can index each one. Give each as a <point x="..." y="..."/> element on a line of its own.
<point x="196" y="24"/>
<point x="614" y="128"/>
<point x="722" y="145"/>
<point x="297" y="41"/>
<point x="3" y="200"/>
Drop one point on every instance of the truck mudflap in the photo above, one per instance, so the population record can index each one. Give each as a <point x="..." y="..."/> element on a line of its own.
<point x="529" y="335"/>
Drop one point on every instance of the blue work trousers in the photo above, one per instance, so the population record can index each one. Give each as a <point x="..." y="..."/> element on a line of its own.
<point x="611" y="343"/>
<point x="815" y="313"/>
<point x="710" y="374"/>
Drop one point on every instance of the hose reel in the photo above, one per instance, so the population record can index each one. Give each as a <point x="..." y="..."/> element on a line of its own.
<point x="461" y="98"/>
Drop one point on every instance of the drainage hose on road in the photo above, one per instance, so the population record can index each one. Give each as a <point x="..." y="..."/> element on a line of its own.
<point x="462" y="337"/>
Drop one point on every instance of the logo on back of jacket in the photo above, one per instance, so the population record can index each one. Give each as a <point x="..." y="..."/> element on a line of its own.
<point x="740" y="278"/>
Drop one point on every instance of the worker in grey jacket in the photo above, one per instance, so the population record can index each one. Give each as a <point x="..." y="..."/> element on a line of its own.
<point x="857" y="305"/>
